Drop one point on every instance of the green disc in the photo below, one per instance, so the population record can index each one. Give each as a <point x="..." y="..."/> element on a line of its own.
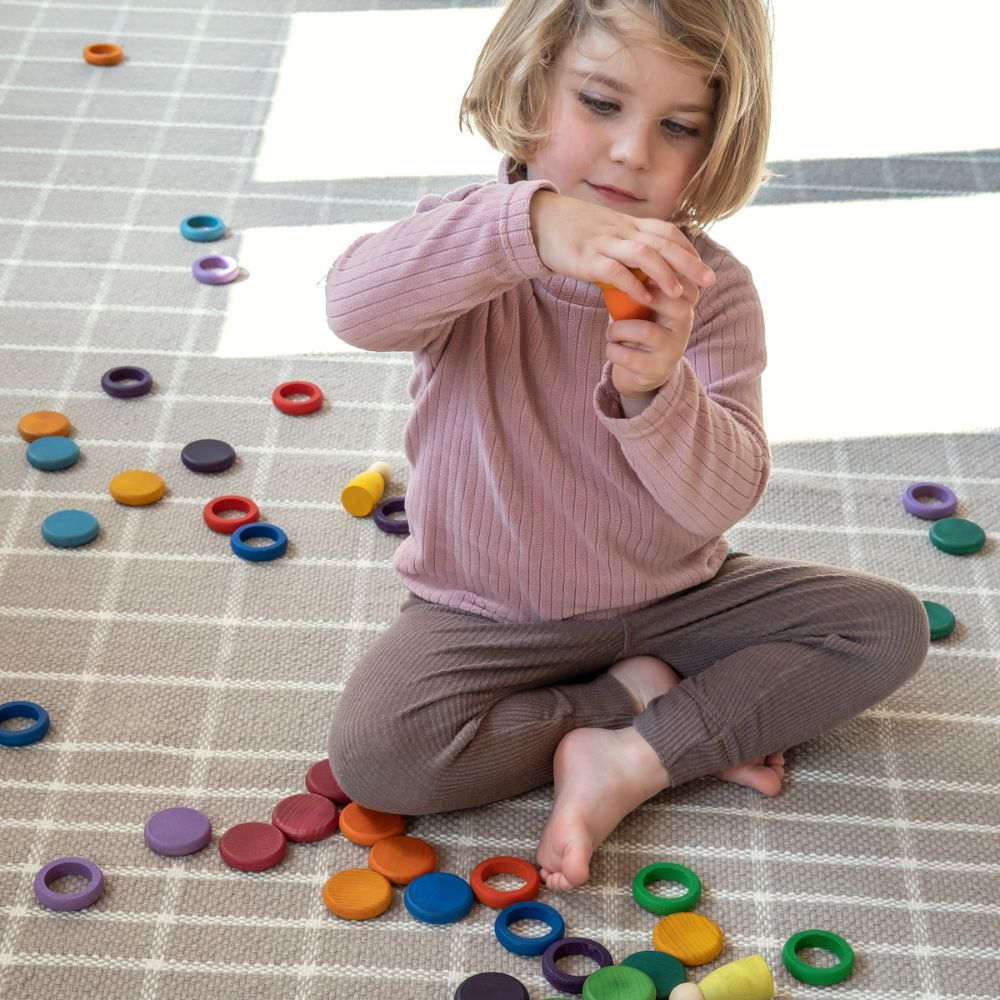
<point x="665" y="970"/>
<point x="957" y="536"/>
<point x="941" y="620"/>
<point x="618" y="982"/>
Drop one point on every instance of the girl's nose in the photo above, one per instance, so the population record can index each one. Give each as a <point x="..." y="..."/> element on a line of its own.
<point x="631" y="146"/>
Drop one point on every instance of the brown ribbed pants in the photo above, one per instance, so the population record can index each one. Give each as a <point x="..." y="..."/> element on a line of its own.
<point x="449" y="710"/>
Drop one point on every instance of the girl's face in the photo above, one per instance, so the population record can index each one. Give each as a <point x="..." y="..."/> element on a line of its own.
<point x="629" y="127"/>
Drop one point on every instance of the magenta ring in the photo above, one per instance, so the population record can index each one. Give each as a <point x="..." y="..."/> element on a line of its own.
<point x="944" y="499"/>
<point x="383" y="516"/>
<point x="91" y="893"/>
<point x="217" y="269"/>
<point x="564" y="981"/>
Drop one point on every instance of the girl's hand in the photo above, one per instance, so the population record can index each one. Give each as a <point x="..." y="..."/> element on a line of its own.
<point x="645" y="353"/>
<point x="593" y="243"/>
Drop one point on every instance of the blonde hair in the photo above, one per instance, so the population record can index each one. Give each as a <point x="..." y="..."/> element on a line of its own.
<point x="726" y="41"/>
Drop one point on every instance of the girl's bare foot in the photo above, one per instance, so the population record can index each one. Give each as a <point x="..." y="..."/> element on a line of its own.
<point x="644" y="678"/>
<point x="764" y="774"/>
<point x="601" y="775"/>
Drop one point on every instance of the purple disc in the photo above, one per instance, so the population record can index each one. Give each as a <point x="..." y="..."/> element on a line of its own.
<point x="384" y="519"/>
<point x="208" y="455"/>
<point x="942" y="501"/>
<point x="65" y="901"/>
<point x="217" y="269"/>
<point x="177" y="831"/>
<point x="564" y="981"/>
<point x="491" y="986"/>
<point x="126" y="382"/>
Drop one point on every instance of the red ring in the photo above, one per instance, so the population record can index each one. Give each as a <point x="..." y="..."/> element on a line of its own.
<point x="499" y="898"/>
<point x="227" y="525"/>
<point x="296" y="407"/>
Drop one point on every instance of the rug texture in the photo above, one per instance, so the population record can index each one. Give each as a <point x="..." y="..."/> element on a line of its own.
<point x="176" y="674"/>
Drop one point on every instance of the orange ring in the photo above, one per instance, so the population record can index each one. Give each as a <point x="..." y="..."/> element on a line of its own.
<point x="103" y="54"/>
<point x="499" y="898"/>
<point x="357" y="894"/>
<point x="369" y="826"/>
<point x="402" y="859"/>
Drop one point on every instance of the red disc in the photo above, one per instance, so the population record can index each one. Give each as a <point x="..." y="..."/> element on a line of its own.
<point x="252" y="847"/>
<point x="296" y="407"/>
<point x="214" y="510"/>
<point x="499" y="898"/>
<point x="305" y="817"/>
<point x="320" y="781"/>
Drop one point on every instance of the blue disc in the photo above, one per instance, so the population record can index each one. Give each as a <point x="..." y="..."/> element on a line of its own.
<point x="259" y="553"/>
<point x="438" y="898"/>
<point x="203" y="228"/>
<point x="53" y="452"/>
<point x="529" y="910"/>
<point x="69" y="528"/>
<point x="29" y="734"/>
<point x="208" y="455"/>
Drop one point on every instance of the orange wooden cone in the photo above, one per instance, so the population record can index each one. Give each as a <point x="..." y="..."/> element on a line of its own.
<point x="619" y="305"/>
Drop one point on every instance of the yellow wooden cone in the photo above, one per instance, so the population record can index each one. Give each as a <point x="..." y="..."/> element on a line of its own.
<point x="361" y="494"/>
<point x="745" y="979"/>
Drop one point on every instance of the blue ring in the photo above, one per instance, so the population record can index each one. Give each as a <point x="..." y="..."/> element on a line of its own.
<point x="203" y="228"/>
<point x="259" y="553"/>
<point x="23" y="710"/>
<point x="528" y="910"/>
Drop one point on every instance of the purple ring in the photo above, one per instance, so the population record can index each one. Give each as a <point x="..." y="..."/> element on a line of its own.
<point x="126" y="382"/>
<point x="91" y="893"/>
<point x="945" y="504"/>
<point x="564" y="981"/>
<point x="217" y="269"/>
<point x="389" y="524"/>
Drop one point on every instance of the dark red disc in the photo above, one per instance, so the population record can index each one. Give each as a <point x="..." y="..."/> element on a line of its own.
<point x="305" y="817"/>
<point x="320" y="780"/>
<point x="252" y="847"/>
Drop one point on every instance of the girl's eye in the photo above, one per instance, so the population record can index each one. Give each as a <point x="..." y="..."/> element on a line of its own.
<point x="676" y="128"/>
<point x="597" y="105"/>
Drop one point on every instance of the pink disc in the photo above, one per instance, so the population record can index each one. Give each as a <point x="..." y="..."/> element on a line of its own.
<point x="320" y="780"/>
<point x="305" y="817"/>
<point x="252" y="847"/>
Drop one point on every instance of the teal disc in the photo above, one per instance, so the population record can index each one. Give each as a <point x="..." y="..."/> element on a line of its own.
<point x="53" y="452"/>
<point x="665" y="970"/>
<point x="941" y="620"/>
<point x="957" y="536"/>
<point x="69" y="528"/>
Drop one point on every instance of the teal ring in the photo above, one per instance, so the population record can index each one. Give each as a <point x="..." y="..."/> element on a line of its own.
<point x="203" y="228"/>
<point x="666" y="872"/>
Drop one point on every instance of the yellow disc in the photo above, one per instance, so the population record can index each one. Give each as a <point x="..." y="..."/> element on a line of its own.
<point x="136" y="487"/>
<point x="357" y="894"/>
<point x="43" y="423"/>
<point x="690" y="937"/>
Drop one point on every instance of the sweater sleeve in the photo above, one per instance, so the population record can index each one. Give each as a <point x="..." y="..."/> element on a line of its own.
<point x="402" y="289"/>
<point x="699" y="446"/>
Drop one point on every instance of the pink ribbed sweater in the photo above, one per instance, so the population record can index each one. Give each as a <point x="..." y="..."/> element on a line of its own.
<point x="531" y="497"/>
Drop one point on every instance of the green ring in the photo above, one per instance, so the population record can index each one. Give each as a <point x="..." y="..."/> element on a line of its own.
<point x="667" y="873"/>
<point x="816" y="975"/>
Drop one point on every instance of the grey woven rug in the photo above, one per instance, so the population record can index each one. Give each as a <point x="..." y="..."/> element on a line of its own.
<point x="177" y="674"/>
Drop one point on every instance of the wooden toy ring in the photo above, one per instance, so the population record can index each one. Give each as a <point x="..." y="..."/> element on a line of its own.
<point x="32" y="733"/>
<point x="65" y="901"/>
<point x="215" y="509"/>
<point x="499" y="898"/>
<point x="126" y="382"/>
<point x="277" y="542"/>
<point x="297" y="407"/>
<point x="929" y="501"/>
<point x="566" y="982"/>
<point x="816" y="975"/>
<point x="383" y="516"/>
<point x="215" y="270"/>
<point x="666" y="873"/>
<point x="528" y="910"/>
<point x="103" y="54"/>
<point x="202" y="228"/>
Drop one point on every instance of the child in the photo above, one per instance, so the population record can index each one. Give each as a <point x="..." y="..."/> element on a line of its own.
<point x="573" y="615"/>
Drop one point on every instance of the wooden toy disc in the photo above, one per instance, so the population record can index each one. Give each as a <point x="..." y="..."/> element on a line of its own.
<point x="43" y="423"/>
<point x="357" y="894"/>
<point x="369" y="826"/>
<point x="690" y="937"/>
<point x="402" y="859"/>
<point x="136" y="488"/>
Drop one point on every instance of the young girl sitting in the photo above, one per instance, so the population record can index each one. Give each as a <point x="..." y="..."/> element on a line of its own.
<point x="574" y="615"/>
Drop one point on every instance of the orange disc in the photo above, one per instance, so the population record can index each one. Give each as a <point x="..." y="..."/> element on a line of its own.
<point x="136" y="488"/>
<point x="103" y="54"/>
<point x="357" y="894"/>
<point x="402" y="859"/>
<point x="43" y="423"/>
<point x="690" y="937"/>
<point x="369" y="826"/>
